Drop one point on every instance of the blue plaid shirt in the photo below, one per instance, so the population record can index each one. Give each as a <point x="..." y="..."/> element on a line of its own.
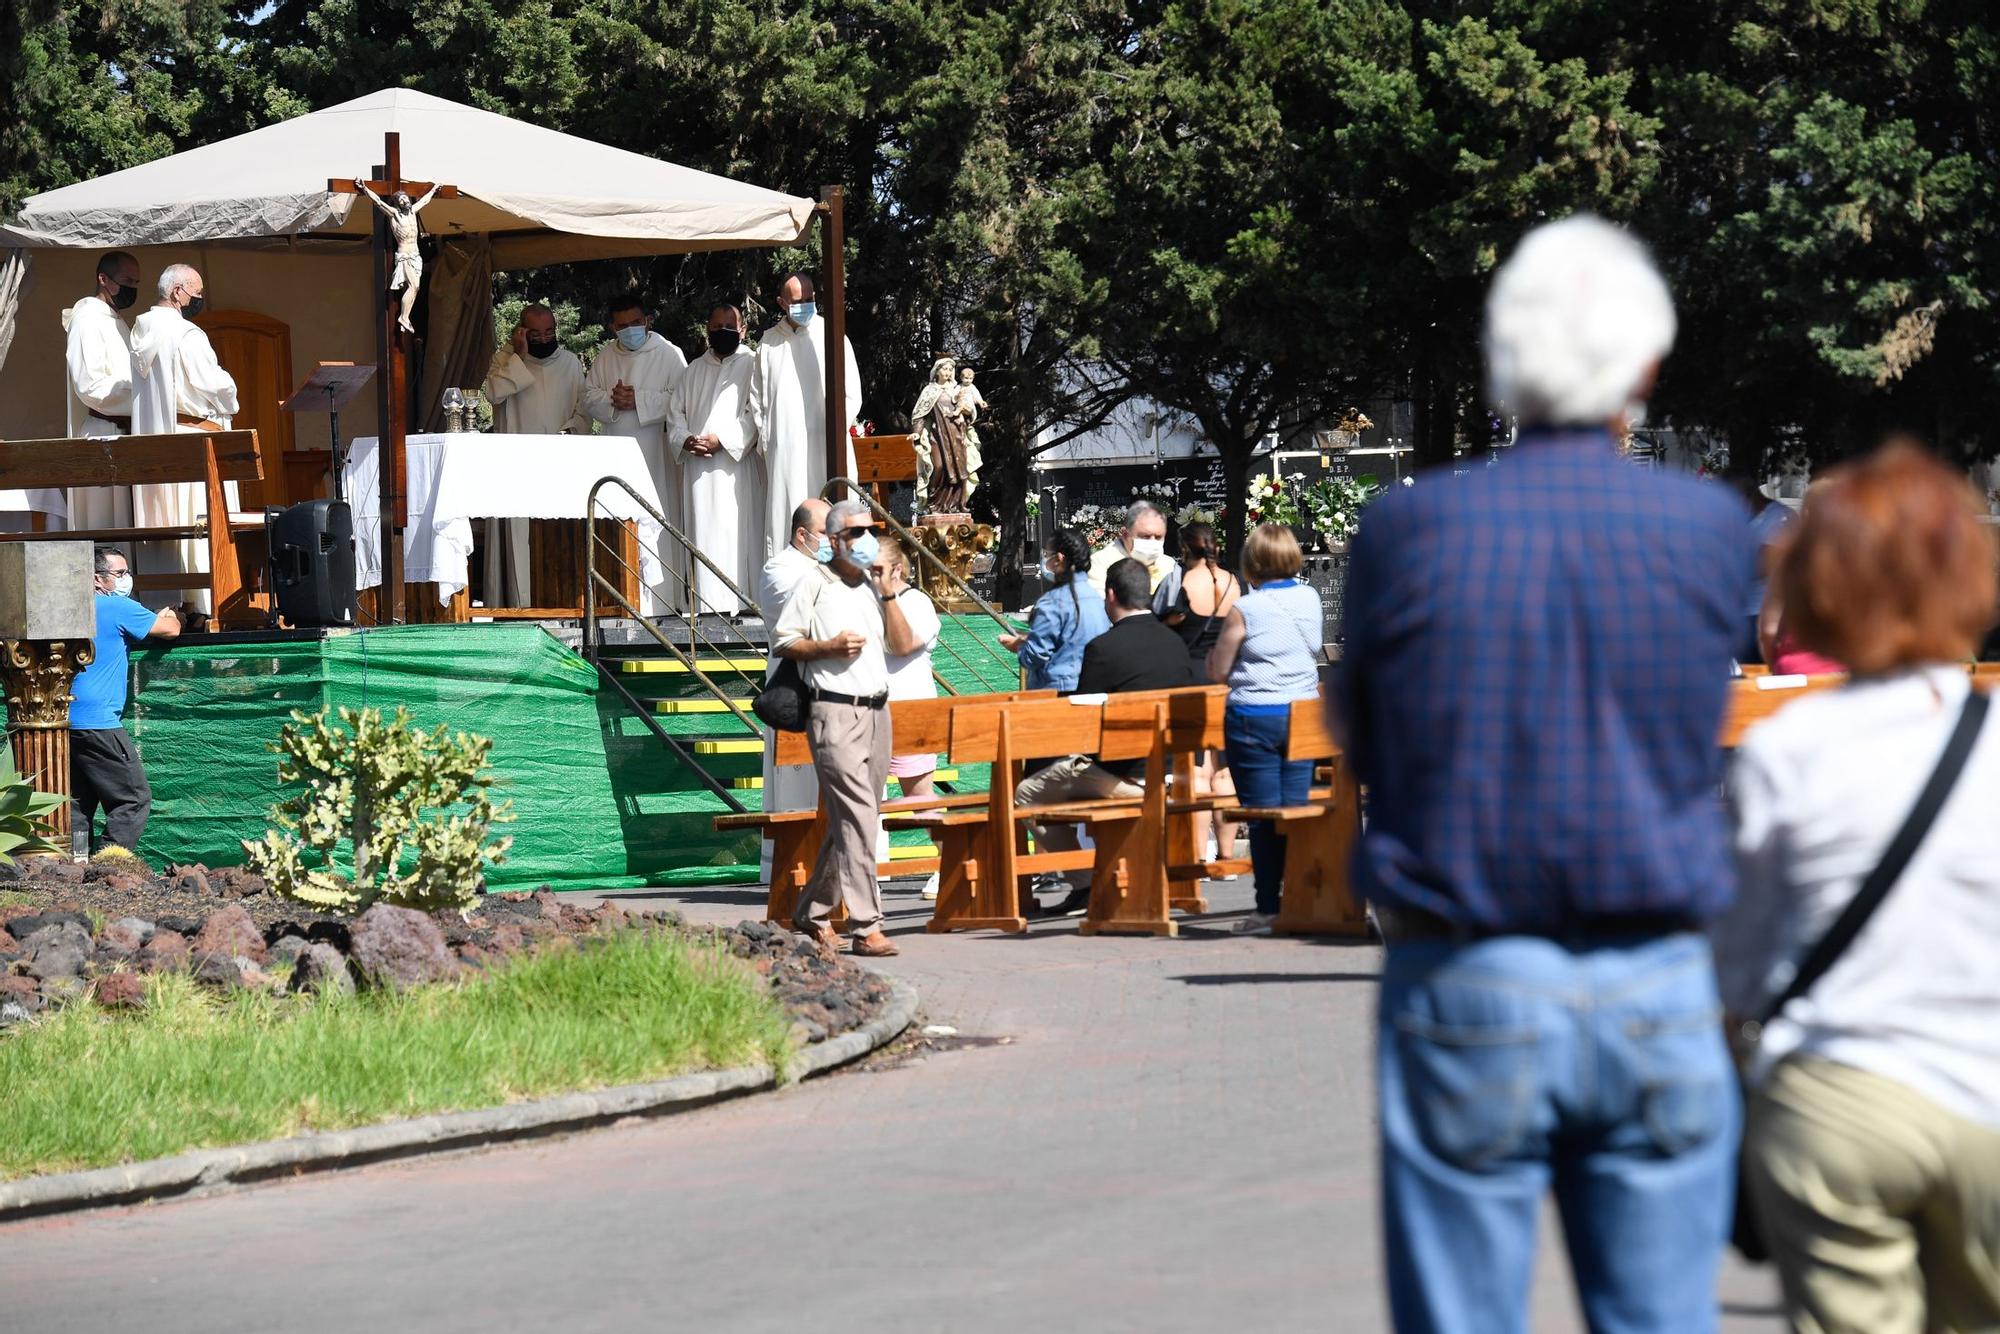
<point x="1537" y="662"/>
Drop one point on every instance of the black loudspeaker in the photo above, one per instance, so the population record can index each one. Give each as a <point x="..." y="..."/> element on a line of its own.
<point x="312" y="562"/>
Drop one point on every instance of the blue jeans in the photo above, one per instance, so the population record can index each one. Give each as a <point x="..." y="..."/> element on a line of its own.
<point x="1263" y="776"/>
<point x="1512" y="1065"/>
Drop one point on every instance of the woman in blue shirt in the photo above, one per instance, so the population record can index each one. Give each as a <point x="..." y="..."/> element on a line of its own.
<point x="1066" y="617"/>
<point x="1269" y="654"/>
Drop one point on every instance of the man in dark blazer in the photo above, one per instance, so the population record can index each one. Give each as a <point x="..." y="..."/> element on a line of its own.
<point x="1136" y="653"/>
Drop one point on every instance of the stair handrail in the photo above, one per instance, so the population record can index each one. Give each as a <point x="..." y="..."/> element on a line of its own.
<point x="594" y="580"/>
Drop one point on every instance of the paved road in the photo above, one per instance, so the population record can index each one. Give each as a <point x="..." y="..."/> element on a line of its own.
<point x="1175" y="1137"/>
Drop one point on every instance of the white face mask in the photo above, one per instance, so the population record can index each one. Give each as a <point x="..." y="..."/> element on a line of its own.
<point x="121" y="584"/>
<point x="1148" y="549"/>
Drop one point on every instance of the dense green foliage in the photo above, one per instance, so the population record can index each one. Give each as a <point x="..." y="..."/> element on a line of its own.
<point x="86" y="1088"/>
<point x="1253" y="211"/>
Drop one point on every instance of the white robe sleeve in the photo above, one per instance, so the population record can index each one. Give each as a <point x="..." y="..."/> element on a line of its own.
<point x="651" y="403"/>
<point x="853" y="389"/>
<point x="597" y="389"/>
<point x="759" y="407"/>
<point x="100" y="368"/>
<point x="508" y="376"/>
<point x="207" y="390"/>
<point x="727" y="418"/>
<point x="579" y="421"/>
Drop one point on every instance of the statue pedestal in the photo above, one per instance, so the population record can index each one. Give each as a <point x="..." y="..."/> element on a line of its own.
<point x="38" y="674"/>
<point x="954" y="539"/>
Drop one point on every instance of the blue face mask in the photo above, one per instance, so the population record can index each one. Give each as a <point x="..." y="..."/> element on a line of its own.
<point x="1049" y="576"/>
<point x="802" y="312"/>
<point x="632" y="337"/>
<point x="824" y="552"/>
<point x="863" y="550"/>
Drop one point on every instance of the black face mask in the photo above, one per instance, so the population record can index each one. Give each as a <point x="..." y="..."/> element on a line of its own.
<point x="194" y="307"/>
<point x="724" y="342"/>
<point x="124" y="297"/>
<point x="541" y="351"/>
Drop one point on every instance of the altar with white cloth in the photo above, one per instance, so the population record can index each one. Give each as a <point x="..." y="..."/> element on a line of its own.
<point x="457" y="477"/>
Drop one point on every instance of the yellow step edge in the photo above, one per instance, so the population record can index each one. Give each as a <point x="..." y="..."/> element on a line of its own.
<point x="674" y="667"/>
<point x="697" y="705"/>
<point x="751" y="746"/>
<point x="914" y="852"/>
<point x="941" y="775"/>
<point x="754" y="783"/>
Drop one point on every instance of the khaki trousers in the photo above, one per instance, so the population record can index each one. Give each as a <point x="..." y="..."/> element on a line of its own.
<point x="1075" y="778"/>
<point x="850" y="750"/>
<point x="1882" y="1209"/>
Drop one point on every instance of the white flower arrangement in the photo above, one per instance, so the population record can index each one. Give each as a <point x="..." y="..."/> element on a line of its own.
<point x="1335" y="504"/>
<point x="1193" y="513"/>
<point x="1271" y="501"/>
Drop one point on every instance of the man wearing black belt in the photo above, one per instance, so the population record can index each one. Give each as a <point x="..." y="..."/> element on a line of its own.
<point x="1536" y="665"/>
<point x="836" y="626"/>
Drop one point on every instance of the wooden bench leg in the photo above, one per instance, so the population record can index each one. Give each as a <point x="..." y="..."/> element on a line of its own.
<point x="794" y="849"/>
<point x="971" y="897"/>
<point x="1319" y="892"/>
<point x="1128" y="886"/>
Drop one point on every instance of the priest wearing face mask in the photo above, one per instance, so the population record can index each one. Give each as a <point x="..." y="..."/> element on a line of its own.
<point x="178" y="385"/>
<point x="99" y="361"/>
<point x="709" y="424"/>
<point x="628" y="390"/>
<point x="788" y="405"/>
<point x="1143" y="538"/>
<point x="536" y="387"/>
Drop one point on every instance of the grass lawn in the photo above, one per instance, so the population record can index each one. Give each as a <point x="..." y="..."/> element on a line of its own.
<point x="90" y="1088"/>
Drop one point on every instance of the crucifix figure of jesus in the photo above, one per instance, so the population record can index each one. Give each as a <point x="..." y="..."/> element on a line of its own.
<point x="408" y="261"/>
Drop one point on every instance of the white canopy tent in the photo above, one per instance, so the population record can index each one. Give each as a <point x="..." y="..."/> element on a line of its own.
<point x="255" y="213"/>
<point x="542" y="196"/>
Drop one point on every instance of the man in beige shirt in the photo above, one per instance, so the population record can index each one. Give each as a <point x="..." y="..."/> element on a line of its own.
<point x="836" y="626"/>
<point x="1143" y="538"/>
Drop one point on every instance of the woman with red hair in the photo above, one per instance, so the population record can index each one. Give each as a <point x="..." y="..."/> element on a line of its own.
<point x="1872" y="1135"/>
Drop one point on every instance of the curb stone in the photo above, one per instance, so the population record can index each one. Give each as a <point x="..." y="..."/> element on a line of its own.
<point x="205" y="1170"/>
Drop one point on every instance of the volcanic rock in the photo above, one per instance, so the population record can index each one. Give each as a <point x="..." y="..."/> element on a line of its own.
<point x="321" y="968"/>
<point x="230" y="931"/>
<point x="214" y="969"/>
<point x="165" y="952"/>
<point x="121" y="991"/>
<point x="58" y="951"/>
<point x="399" y="948"/>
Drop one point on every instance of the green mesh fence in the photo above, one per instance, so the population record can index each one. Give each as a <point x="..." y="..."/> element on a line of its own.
<point x="600" y="802"/>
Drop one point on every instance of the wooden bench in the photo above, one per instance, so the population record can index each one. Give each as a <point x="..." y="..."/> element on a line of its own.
<point x="919" y="726"/>
<point x="237" y="553"/>
<point x="1320" y="836"/>
<point x="984" y="851"/>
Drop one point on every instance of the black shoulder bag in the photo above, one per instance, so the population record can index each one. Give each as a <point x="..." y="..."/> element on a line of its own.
<point x="1826" y="951"/>
<point x="784" y="704"/>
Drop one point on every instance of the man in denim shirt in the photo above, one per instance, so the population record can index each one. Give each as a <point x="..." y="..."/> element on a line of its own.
<point x="1537" y="664"/>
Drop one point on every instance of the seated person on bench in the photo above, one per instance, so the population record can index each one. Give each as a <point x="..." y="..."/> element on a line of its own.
<point x="1136" y="653"/>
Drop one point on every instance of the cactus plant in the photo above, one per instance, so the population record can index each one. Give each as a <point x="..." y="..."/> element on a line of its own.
<point x="368" y="784"/>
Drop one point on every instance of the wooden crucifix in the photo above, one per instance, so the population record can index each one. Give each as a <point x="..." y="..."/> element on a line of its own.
<point x="395" y="244"/>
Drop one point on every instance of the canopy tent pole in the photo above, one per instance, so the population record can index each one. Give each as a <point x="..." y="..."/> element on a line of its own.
<point x="833" y="235"/>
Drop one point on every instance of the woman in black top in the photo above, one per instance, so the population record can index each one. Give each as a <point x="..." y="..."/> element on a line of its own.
<point x="1195" y="600"/>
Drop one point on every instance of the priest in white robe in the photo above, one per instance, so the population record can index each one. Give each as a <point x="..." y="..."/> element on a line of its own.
<point x="710" y="424"/>
<point x="628" y="389"/>
<point x="788" y="404"/>
<point x="98" y="363"/>
<point x="536" y="388"/>
<point x="178" y="385"/>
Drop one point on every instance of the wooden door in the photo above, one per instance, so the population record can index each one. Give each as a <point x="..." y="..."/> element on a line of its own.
<point x="257" y="351"/>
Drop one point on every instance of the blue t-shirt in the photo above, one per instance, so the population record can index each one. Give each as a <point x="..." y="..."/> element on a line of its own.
<point x="100" y="689"/>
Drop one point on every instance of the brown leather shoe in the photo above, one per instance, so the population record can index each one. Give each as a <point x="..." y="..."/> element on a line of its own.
<point x="825" y="937"/>
<point x="874" y="945"/>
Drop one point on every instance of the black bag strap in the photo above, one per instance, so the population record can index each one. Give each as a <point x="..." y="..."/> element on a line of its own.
<point x="1826" y="951"/>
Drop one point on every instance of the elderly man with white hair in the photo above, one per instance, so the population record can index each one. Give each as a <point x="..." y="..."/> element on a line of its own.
<point x="1536" y="668"/>
<point x="837" y="626"/>
<point x="1143" y="537"/>
<point x="178" y="385"/>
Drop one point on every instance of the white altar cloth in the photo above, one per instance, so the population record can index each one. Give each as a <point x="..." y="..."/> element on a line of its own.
<point x="461" y="476"/>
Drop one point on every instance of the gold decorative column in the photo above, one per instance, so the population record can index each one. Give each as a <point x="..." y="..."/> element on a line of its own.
<point x="955" y="540"/>
<point x="38" y="675"/>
